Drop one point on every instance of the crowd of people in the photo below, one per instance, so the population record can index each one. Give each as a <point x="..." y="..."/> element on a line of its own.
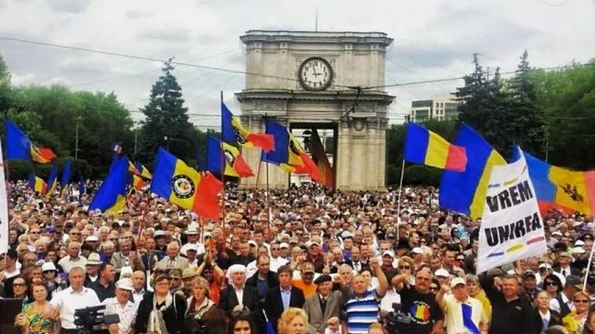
<point x="303" y="260"/>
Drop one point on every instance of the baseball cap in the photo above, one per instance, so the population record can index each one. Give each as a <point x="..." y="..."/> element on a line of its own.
<point x="48" y="266"/>
<point x="441" y="273"/>
<point x="417" y="250"/>
<point x="455" y="281"/>
<point x="308" y="267"/>
<point x="283" y="245"/>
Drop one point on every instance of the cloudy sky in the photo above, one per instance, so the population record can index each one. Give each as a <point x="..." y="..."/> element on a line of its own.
<point x="432" y="40"/>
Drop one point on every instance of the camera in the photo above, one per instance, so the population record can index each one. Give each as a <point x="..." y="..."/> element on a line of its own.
<point x="396" y="320"/>
<point x="87" y="318"/>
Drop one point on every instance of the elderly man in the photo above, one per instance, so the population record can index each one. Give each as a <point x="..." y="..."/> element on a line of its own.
<point x="324" y="305"/>
<point x="192" y="234"/>
<point x="138" y="282"/>
<point x="73" y="259"/>
<point x="122" y="306"/>
<point x="462" y="312"/>
<point x="72" y="298"/>
<point x="173" y="258"/>
<point x="126" y="257"/>
<point x="237" y="296"/>
<point x="362" y="309"/>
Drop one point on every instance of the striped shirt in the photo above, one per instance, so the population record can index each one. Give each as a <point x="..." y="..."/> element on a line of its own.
<point x="361" y="312"/>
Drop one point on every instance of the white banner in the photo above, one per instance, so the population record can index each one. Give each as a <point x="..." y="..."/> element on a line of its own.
<point x="511" y="226"/>
<point x="4" y="224"/>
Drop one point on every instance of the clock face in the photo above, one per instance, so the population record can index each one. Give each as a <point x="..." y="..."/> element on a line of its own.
<point x="315" y="74"/>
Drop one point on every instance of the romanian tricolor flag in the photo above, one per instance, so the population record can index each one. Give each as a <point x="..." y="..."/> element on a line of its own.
<point x="111" y="196"/>
<point x="37" y="184"/>
<point x="140" y="176"/>
<point x="219" y="152"/>
<point x="52" y="181"/>
<point x="19" y="147"/>
<point x="465" y="192"/>
<point x="557" y="187"/>
<point x="288" y="153"/>
<point x="184" y="186"/>
<point x="428" y="148"/>
<point x="233" y="132"/>
<point x="327" y="175"/>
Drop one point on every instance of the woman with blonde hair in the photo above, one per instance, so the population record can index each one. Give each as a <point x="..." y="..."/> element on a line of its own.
<point x="293" y="321"/>
<point x="407" y="266"/>
<point x="203" y="313"/>
<point x="575" y="320"/>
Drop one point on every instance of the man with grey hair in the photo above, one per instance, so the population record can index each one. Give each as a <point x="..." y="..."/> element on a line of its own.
<point x="173" y="258"/>
<point x="73" y="259"/>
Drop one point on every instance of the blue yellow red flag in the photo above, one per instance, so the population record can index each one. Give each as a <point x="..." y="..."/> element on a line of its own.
<point x="184" y="186"/>
<point x="465" y="192"/>
<point x="288" y="153"/>
<point x="19" y="147"/>
<point x="52" y="181"/>
<point x="111" y="196"/>
<point x="233" y="132"/>
<point x="561" y="188"/>
<point x="37" y="184"/>
<point x="219" y="152"/>
<point x="423" y="146"/>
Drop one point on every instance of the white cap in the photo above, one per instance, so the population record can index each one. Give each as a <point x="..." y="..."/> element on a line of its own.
<point x="389" y="253"/>
<point x="417" y="250"/>
<point x="346" y="234"/>
<point x="283" y="245"/>
<point x="312" y="243"/>
<point x="126" y="271"/>
<point x="48" y="266"/>
<point x="92" y="238"/>
<point x="191" y="247"/>
<point x="558" y="233"/>
<point x="159" y="233"/>
<point x="455" y="281"/>
<point x="545" y="265"/>
<point x="252" y="242"/>
<point x="191" y="230"/>
<point x="579" y="243"/>
<point x="441" y="273"/>
<point x="578" y="250"/>
<point x="125" y="284"/>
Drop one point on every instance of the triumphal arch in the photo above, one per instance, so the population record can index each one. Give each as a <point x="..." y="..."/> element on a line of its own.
<point x="320" y="81"/>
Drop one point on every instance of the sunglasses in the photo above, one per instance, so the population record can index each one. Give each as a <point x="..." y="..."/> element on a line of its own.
<point x="404" y="267"/>
<point x="551" y="283"/>
<point x="18" y="284"/>
<point x="75" y="233"/>
<point x="433" y="288"/>
<point x="49" y="272"/>
<point x="461" y="259"/>
<point x="580" y="301"/>
<point x="34" y="232"/>
<point x="175" y="278"/>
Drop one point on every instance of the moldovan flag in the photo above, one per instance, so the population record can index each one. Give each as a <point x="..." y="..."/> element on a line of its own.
<point x="140" y="175"/>
<point x="562" y="188"/>
<point x="327" y="175"/>
<point x="464" y="192"/>
<point x="233" y="132"/>
<point x="19" y="147"/>
<point x="37" y="184"/>
<point x="52" y="181"/>
<point x="184" y="186"/>
<point x="111" y="196"/>
<point x="288" y="153"/>
<point x="66" y="175"/>
<point x="428" y="148"/>
<point x="511" y="226"/>
<point x="219" y="152"/>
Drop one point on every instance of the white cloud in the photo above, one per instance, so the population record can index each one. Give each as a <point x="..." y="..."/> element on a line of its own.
<point x="432" y="39"/>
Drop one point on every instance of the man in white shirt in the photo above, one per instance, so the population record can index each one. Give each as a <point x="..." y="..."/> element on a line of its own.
<point x="73" y="298"/>
<point x="192" y="234"/>
<point x="138" y="282"/>
<point x="276" y="260"/>
<point x="462" y="312"/>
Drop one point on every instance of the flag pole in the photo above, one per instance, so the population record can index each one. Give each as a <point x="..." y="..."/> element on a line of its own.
<point x="399" y="200"/>
<point x="589" y="265"/>
<point x="255" y="191"/>
<point x="268" y="196"/>
<point x="222" y="168"/>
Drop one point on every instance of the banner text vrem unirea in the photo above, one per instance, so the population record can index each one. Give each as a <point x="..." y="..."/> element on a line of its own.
<point x="508" y="198"/>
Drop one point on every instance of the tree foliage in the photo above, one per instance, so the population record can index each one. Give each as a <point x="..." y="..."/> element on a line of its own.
<point x="166" y="122"/>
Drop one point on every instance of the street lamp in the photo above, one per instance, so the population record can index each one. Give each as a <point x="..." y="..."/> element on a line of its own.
<point x="166" y="142"/>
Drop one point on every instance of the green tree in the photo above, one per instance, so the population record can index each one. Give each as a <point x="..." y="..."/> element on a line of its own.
<point x="5" y="88"/>
<point x="486" y="107"/>
<point x="528" y="126"/>
<point x="166" y="122"/>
